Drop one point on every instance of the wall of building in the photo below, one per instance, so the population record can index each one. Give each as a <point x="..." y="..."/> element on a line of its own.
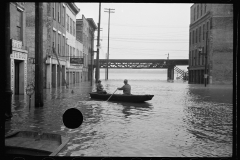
<point x="30" y="37"/>
<point x="221" y="54"/>
<point x="218" y="20"/>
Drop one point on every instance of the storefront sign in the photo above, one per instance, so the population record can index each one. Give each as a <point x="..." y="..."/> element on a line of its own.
<point x="18" y="55"/>
<point x="77" y="61"/>
<point x="16" y="44"/>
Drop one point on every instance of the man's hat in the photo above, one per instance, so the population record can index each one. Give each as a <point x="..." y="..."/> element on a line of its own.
<point x="99" y="81"/>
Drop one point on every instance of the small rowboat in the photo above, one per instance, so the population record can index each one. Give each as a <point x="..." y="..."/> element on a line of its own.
<point x="33" y="143"/>
<point x="121" y="97"/>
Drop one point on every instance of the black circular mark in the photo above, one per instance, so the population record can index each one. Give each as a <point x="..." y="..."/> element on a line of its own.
<point x="72" y="118"/>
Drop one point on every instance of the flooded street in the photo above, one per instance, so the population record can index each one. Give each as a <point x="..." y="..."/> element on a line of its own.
<point x="182" y="120"/>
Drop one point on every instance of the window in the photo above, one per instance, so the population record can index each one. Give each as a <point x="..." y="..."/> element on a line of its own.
<point x="70" y="26"/>
<point x="73" y="52"/>
<point x="205" y="7"/>
<point x="70" y="51"/>
<point x="197" y="11"/>
<point x="53" y="5"/>
<point x="193" y="37"/>
<point x="200" y="34"/>
<point x="19" y="25"/>
<point x="63" y="45"/>
<point x="63" y="15"/>
<point x="54" y="39"/>
<point x="201" y="9"/>
<point x="203" y="56"/>
<point x="196" y="35"/>
<point x="207" y="26"/>
<point x="190" y="39"/>
<point x="73" y="28"/>
<point x="59" y="12"/>
<point x="194" y="14"/>
<point x="67" y="23"/>
<point x="199" y="56"/>
<point x="59" y="44"/>
<point x="203" y="31"/>
<point x="195" y="57"/>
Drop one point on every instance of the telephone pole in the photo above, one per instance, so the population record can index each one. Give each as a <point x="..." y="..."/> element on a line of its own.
<point x="98" y="45"/>
<point x="109" y="10"/>
<point x="38" y="54"/>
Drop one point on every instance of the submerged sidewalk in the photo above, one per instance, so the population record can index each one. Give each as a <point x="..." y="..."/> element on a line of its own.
<point x="56" y="101"/>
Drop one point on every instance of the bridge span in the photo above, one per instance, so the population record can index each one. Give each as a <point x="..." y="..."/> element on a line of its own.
<point x="169" y="64"/>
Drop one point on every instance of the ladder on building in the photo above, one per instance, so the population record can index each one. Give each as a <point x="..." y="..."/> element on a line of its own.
<point x="60" y="66"/>
<point x="183" y="75"/>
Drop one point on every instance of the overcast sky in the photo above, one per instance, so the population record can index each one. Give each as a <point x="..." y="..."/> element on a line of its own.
<point x="141" y="30"/>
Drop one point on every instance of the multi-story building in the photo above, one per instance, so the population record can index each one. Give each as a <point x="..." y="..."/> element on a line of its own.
<point x="73" y="72"/>
<point x="54" y="36"/>
<point x="211" y="43"/>
<point x="85" y="32"/>
<point x="19" y="53"/>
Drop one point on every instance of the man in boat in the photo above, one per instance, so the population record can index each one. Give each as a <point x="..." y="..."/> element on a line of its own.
<point x="100" y="88"/>
<point x="126" y="88"/>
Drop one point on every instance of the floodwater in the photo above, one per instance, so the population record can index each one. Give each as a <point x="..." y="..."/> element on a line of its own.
<point x="182" y="120"/>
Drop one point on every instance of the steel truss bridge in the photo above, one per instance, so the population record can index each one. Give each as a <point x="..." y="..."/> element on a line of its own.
<point x="169" y="64"/>
<point x="141" y="63"/>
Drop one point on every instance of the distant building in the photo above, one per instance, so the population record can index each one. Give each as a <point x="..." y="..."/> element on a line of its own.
<point x="212" y="23"/>
<point x="19" y="53"/>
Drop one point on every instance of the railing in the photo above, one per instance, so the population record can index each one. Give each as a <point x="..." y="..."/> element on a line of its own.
<point x="183" y="75"/>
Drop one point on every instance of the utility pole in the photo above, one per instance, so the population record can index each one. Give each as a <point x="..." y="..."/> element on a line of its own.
<point x="38" y="54"/>
<point x="98" y="45"/>
<point x="109" y="10"/>
<point x="7" y="93"/>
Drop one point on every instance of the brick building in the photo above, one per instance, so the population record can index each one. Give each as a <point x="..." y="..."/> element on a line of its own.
<point x="211" y="43"/>
<point x="19" y="53"/>
<point x="73" y="72"/>
<point x="54" y="36"/>
<point x="85" y="33"/>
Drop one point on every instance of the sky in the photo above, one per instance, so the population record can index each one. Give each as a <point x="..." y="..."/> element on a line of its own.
<point x="141" y="30"/>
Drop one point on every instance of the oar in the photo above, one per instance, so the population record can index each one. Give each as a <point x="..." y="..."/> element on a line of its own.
<point x="111" y="95"/>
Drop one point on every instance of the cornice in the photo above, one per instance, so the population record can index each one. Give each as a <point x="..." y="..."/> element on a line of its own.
<point x="75" y="10"/>
<point x="201" y="20"/>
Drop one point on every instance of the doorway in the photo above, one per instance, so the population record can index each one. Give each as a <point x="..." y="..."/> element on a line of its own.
<point x="19" y="77"/>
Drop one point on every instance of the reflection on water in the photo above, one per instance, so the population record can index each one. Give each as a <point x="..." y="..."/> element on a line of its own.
<point x="180" y="120"/>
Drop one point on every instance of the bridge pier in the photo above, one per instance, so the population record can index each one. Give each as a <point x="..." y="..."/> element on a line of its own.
<point x="170" y="73"/>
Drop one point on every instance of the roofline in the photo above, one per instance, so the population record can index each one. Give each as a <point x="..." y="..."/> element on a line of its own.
<point x="73" y="7"/>
<point x="92" y="22"/>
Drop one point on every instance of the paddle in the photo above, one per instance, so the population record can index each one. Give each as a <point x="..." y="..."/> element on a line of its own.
<point x="111" y="95"/>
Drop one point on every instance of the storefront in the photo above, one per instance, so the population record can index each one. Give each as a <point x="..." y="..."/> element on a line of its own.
<point x="18" y="58"/>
